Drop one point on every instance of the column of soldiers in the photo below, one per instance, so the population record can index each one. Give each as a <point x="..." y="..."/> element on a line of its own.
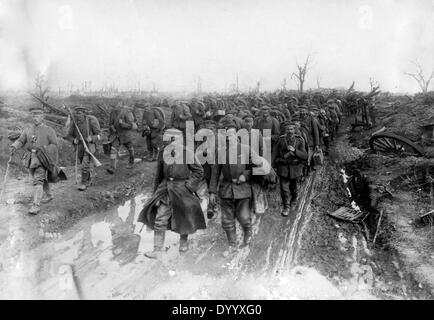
<point x="299" y="128"/>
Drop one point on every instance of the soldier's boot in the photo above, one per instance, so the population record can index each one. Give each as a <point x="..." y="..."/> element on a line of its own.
<point x="131" y="159"/>
<point x="147" y="154"/>
<point x="286" y="204"/>
<point x="113" y="165"/>
<point x="38" y="191"/>
<point x="232" y="241"/>
<point x="285" y="211"/>
<point x="84" y="181"/>
<point x="48" y="196"/>
<point x="157" y="253"/>
<point x="150" y="156"/>
<point x="92" y="177"/>
<point x="247" y="236"/>
<point x="293" y="206"/>
<point x="183" y="243"/>
<point x="155" y="153"/>
<point x="153" y="156"/>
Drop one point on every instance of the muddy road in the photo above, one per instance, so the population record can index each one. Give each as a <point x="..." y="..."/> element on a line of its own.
<point x="102" y="257"/>
<point x="308" y="255"/>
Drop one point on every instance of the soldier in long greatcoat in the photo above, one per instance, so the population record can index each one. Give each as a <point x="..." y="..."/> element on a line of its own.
<point x="174" y="206"/>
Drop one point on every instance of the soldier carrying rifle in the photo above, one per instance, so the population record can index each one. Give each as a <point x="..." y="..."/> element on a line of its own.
<point x="86" y="127"/>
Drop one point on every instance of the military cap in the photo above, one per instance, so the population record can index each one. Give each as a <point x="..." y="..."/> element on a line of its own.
<point x="78" y="108"/>
<point x="241" y="114"/>
<point x="247" y="112"/>
<point x="296" y="117"/>
<point x="209" y="123"/>
<point x="285" y="124"/>
<point x="36" y="109"/>
<point x="227" y="123"/>
<point x="248" y="117"/>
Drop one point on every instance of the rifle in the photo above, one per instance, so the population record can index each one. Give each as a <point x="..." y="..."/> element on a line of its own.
<point x="49" y="106"/>
<point x="95" y="160"/>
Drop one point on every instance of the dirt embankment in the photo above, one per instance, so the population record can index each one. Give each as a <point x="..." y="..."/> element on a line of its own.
<point x="392" y="192"/>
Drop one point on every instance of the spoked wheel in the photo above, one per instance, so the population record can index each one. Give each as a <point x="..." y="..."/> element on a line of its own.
<point x="389" y="143"/>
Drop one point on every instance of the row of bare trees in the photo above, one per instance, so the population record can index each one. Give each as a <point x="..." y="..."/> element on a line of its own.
<point x="42" y="89"/>
<point x="300" y="76"/>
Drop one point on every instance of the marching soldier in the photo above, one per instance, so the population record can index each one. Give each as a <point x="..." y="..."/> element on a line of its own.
<point x="37" y="136"/>
<point x="234" y="191"/>
<point x="153" y="127"/>
<point x="268" y="122"/>
<point x="288" y="158"/>
<point x="113" y="137"/>
<point x="248" y="124"/>
<point x="180" y="114"/>
<point x="198" y="111"/>
<point x="335" y="117"/>
<point x="310" y="128"/>
<point x="174" y="205"/>
<point x="324" y="128"/>
<point x="91" y="131"/>
<point x="122" y="127"/>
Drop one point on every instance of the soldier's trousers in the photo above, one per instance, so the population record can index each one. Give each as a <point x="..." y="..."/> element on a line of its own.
<point x="39" y="177"/>
<point x="235" y="208"/>
<point x="149" y="143"/>
<point x="87" y="165"/>
<point x="164" y="212"/>
<point x="114" y="152"/>
<point x="326" y="141"/>
<point x="288" y="190"/>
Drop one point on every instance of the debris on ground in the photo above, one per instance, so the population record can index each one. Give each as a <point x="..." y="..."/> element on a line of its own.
<point x="347" y="214"/>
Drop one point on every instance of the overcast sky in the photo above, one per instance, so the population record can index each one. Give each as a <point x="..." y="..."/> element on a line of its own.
<point x="171" y="43"/>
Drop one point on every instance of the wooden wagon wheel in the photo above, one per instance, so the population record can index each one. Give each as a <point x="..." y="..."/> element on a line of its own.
<point x="394" y="144"/>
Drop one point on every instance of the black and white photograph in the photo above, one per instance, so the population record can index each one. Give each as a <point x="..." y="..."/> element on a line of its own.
<point x="216" y="150"/>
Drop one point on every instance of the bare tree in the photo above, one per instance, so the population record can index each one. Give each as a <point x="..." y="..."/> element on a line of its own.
<point x="420" y="78"/>
<point x="373" y="83"/>
<point x="318" y="82"/>
<point x="258" y="86"/>
<point x="41" y="88"/>
<point x="300" y="76"/>
<point x="284" y="85"/>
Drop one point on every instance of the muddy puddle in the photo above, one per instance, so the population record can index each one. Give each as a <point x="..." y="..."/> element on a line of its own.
<point x="106" y="241"/>
<point x="101" y="257"/>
